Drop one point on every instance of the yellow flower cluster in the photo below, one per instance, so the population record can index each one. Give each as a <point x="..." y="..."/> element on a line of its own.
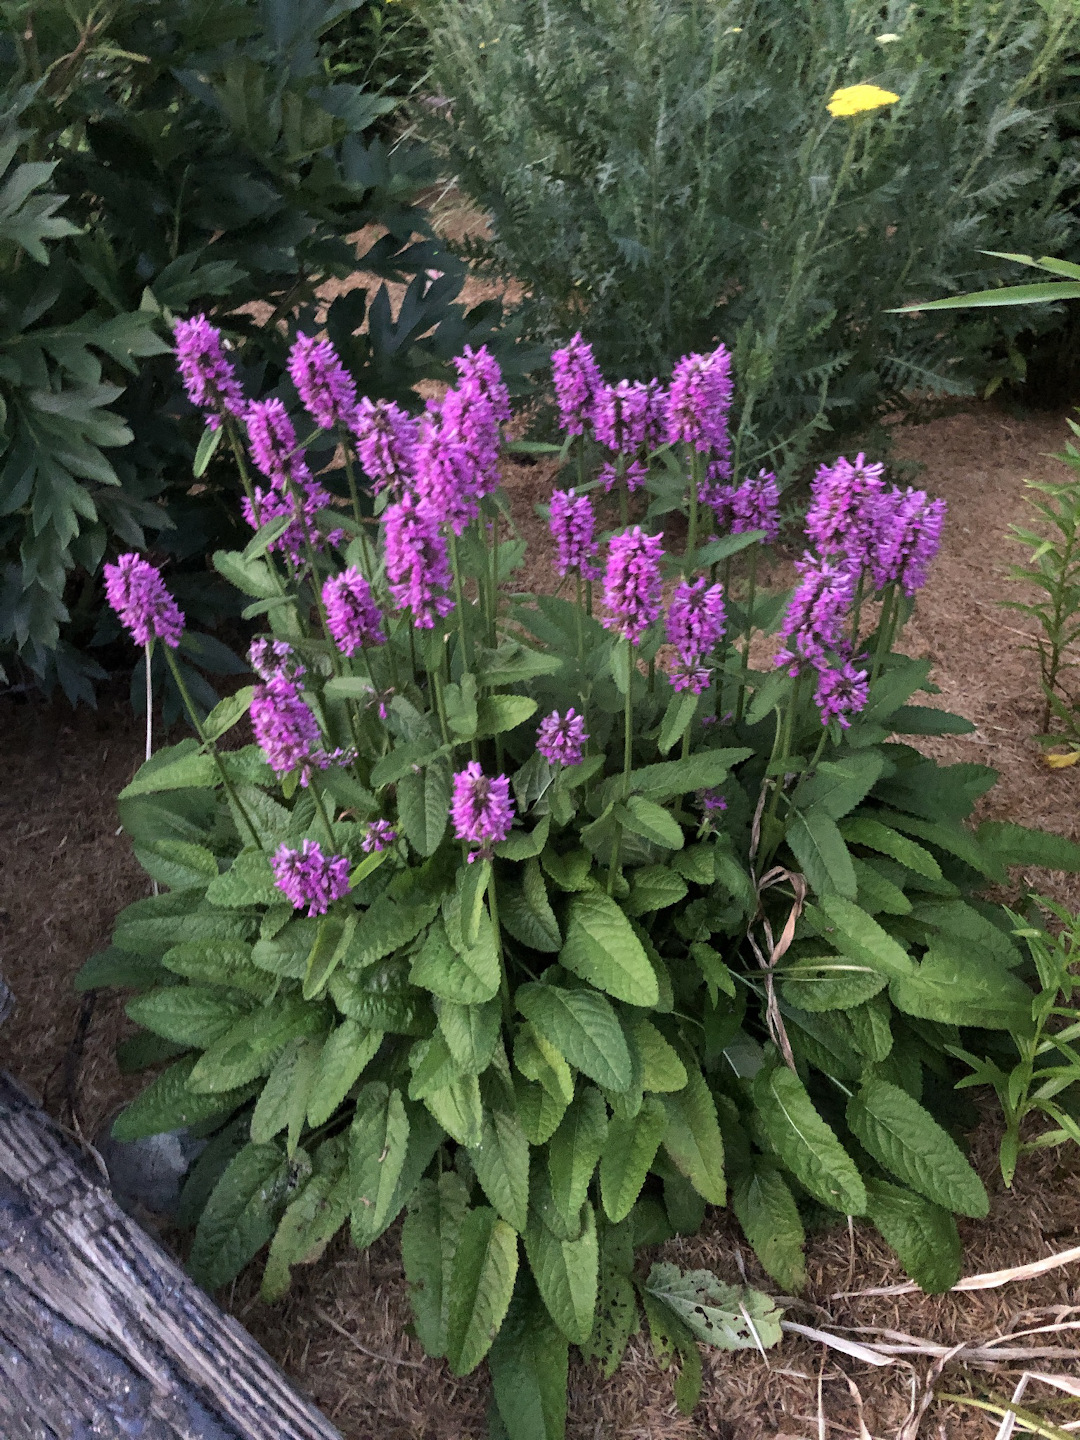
<point x="857" y="99"/>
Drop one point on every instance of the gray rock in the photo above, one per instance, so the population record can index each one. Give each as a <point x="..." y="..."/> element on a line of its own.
<point x="147" y="1175"/>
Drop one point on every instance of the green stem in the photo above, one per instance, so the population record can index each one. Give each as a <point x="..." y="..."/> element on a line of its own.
<point x="692" y="511"/>
<point x="856" y="612"/>
<point x="459" y="596"/>
<point x="209" y="746"/>
<point x="778" y="780"/>
<point x="747" y="634"/>
<point x="494" y="619"/>
<point x="320" y="805"/>
<point x="884" y="632"/>
<point x="504" y="978"/>
<point x="435" y="683"/>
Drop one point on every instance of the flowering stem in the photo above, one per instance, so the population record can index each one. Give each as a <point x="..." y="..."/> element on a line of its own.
<point x="460" y="598"/>
<point x="624" y="492"/>
<point x="692" y="509"/>
<point x="320" y="805"/>
<point x="435" y="683"/>
<point x="309" y="546"/>
<point x="884" y="635"/>
<point x="748" y="632"/>
<point x="150" y="718"/>
<point x="354" y="493"/>
<point x="856" y="611"/>
<point x="580" y="622"/>
<point x="504" y="979"/>
<point x="209" y="746"/>
<point x="494" y="579"/>
<point x="820" y="747"/>
<point x="786" y="732"/>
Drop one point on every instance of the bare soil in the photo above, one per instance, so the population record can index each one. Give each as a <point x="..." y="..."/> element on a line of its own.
<point x="66" y="871"/>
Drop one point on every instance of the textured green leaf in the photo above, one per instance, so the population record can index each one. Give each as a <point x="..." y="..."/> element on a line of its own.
<point x="962" y="921"/>
<point x="875" y="836"/>
<point x="332" y="940"/>
<point x="697" y="863"/>
<point x="767" y="1212"/>
<point x="342" y="1060"/>
<point x="499" y="713"/>
<point x="168" y="1104"/>
<point x="386" y="926"/>
<point x="908" y="1141"/>
<point x="378" y="1141"/>
<point x="661" y="1068"/>
<point x="481" y="1285"/>
<point x="629" y="1150"/>
<point x="574" y="1150"/>
<point x="601" y="947"/>
<point x="654" y="887"/>
<point x="670" y="1337"/>
<point x="191" y="770"/>
<point x="178" y="863"/>
<point x="957" y="986"/>
<point x="678" y="777"/>
<point x="860" y="936"/>
<point x="468" y="978"/>
<point x="458" y="1109"/>
<point x="538" y="1059"/>
<point x="566" y="1275"/>
<point x="616" y="1301"/>
<point x="651" y="821"/>
<point x="306" y="1228"/>
<point x="429" y="1241"/>
<point x="525" y="844"/>
<point x="424" y="805"/>
<point x="729" y="1317"/>
<point x="923" y="1235"/>
<point x="253" y="1044"/>
<point x="240" y="1216"/>
<point x="219" y="962"/>
<point x="284" y="1098"/>
<point x="472" y="881"/>
<point x="583" y="1027"/>
<point x="228" y="712"/>
<point x="501" y="1162"/>
<point x="805" y="1143"/>
<point x="1018" y="845"/>
<point x="692" y="1138"/>
<point x="829" y="982"/>
<point x="471" y="1033"/>
<point x="678" y="717"/>
<point x="403" y="759"/>
<point x="823" y="857"/>
<point x="189" y="1014"/>
<point x="381" y="998"/>
<point x="837" y="786"/>
<point x="538" y="1111"/>
<point x="528" y="1368"/>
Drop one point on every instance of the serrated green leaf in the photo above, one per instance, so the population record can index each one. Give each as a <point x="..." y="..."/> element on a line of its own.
<point x="191" y="770"/>
<point x="332" y="941"/>
<point x="955" y="986"/>
<point x="566" y="1272"/>
<point x="583" y="1028"/>
<point x="697" y="863"/>
<point x="227" y="713"/>
<point x="875" y="836"/>
<point x="858" y="935"/>
<point x="240" y="1216"/>
<point x="692" y="1138"/>
<point x="661" y="1068"/>
<point x="381" y="998"/>
<point x="525" y="844"/>
<point x="469" y="978"/>
<point x="601" y="947"/>
<point x="378" y="1141"/>
<point x="219" y="962"/>
<point x="651" y="821"/>
<point x="459" y="1110"/>
<point x="654" y="887"/>
<point x="342" y="1061"/>
<point x="767" y="1212"/>
<point x="616" y="1301"/>
<point x="499" y="713"/>
<point x="538" y="1059"/>
<point x="429" y="1241"/>
<point x="177" y="863"/>
<point x="248" y="881"/>
<point x="306" y="1228"/>
<point x="424" y="805"/>
<point x="528" y="1366"/>
<point x="678" y="717"/>
<point x="923" y="1235"/>
<point x="703" y="771"/>
<point x="629" y="1150"/>
<point x="387" y="926"/>
<point x="471" y="1033"/>
<point x="823" y="857"/>
<point x="501" y="1162"/>
<point x="574" y="1150"/>
<point x="829" y="982"/>
<point x="805" y="1143"/>
<point x="189" y="1014"/>
<point x="252" y="1045"/>
<point x="403" y="759"/>
<point x="168" y="1104"/>
<point x="472" y="881"/>
<point x="1019" y="845"/>
<point x="671" y="1337"/>
<point x="481" y="1285"/>
<point x="538" y="1111"/>
<point x="284" y="1098"/>
<point x="909" y="1142"/>
<point x="837" y="786"/>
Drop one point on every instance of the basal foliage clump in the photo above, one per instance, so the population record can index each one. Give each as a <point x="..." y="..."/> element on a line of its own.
<point x="662" y="174"/>
<point x="548" y="920"/>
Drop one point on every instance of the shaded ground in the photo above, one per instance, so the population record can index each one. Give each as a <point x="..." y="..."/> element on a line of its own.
<point x="65" y="872"/>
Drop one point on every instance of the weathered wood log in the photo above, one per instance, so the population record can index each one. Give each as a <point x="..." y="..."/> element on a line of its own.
<point x="101" y="1332"/>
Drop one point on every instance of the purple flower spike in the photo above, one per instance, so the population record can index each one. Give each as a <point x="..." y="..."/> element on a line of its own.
<point x="481" y="809"/>
<point x="561" y="739"/>
<point x="325" y="387"/>
<point x="698" y="402"/>
<point x="285" y="728"/>
<point x="841" y="693"/>
<point x="842" y="518"/>
<point x="417" y="566"/>
<point x="208" y="374"/>
<point x="632" y="583"/>
<point x="572" y="524"/>
<point x="755" y="505"/>
<point x="270" y="658"/>
<point x="621" y="415"/>
<point x="480" y="379"/>
<point x="577" y="380"/>
<point x="351" y="614"/>
<point x="137" y="593"/>
<point x="815" y="618"/>
<point x="308" y="877"/>
<point x="907" y="537"/>
<point x="273" y="443"/>
<point x="380" y="835"/>
<point x="450" y="477"/>
<point x="386" y="443"/>
<point x="695" y="625"/>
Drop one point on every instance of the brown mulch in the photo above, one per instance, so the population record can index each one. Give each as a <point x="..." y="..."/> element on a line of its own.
<point x="65" y="872"/>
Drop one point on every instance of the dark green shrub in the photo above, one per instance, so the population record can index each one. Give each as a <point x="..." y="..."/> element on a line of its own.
<point x="203" y="156"/>
<point x="663" y="174"/>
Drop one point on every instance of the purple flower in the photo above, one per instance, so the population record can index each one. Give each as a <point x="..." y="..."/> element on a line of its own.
<point x="711" y="801"/>
<point x="698" y="401"/>
<point x="308" y="877"/>
<point x="841" y="693"/>
<point x="480" y="379"/>
<point x="620" y="415"/>
<point x="755" y="505"/>
<point x="695" y="624"/>
<point x="208" y="375"/>
<point x="325" y="387"/>
<point x="907" y="536"/>
<point x="417" y="567"/>
<point x="351" y="614"/>
<point x="481" y="809"/>
<point x="656" y="416"/>
<point x="137" y="593"/>
<point x="269" y="658"/>
<point x="449" y="477"/>
<point x="380" y="835"/>
<point x="572" y="524"/>
<point x="815" y="617"/>
<point x="285" y="728"/>
<point x="386" y="443"/>
<point x="844" y="499"/>
<point x="632" y="584"/>
<point x="273" y="443"/>
<point x="561" y="739"/>
<point x="577" y="379"/>
<point x="634" y="475"/>
<point x="473" y="413"/>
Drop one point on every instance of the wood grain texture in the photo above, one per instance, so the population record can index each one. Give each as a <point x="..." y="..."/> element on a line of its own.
<point x="101" y="1333"/>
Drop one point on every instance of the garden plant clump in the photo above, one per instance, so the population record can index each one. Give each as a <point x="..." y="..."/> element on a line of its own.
<point x="549" y="920"/>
